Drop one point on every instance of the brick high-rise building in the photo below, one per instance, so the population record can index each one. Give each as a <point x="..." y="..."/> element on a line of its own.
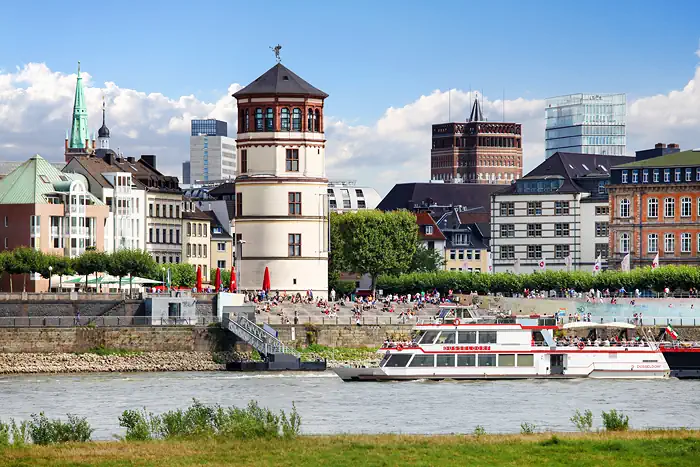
<point x="477" y="151"/>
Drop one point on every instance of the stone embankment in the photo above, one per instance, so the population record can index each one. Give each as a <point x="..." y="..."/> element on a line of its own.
<point x="18" y="363"/>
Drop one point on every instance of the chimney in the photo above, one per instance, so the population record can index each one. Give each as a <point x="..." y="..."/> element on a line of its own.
<point x="66" y="144"/>
<point x="659" y="146"/>
<point x="131" y="159"/>
<point x="149" y="159"/>
<point x="673" y="146"/>
<point x="109" y="158"/>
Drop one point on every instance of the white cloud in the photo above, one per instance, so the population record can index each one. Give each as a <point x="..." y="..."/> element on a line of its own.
<point x="36" y="105"/>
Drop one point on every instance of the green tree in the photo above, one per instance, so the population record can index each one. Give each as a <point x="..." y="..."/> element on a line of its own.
<point x="4" y="259"/>
<point x="425" y="260"/>
<point x="91" y="262"/>
<point x="183" y="275"/>
<point x="375" y="242"/>
<point x="134" y="263"/>
<point x="225" y="276"/>
<point x="24" y="260"/>
<point x="62" y="265"/>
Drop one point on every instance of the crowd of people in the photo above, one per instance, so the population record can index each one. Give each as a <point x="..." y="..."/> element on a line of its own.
<point x="574" y="341"/>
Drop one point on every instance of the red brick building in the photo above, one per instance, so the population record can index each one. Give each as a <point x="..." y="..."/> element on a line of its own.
<point x="477" y="151"/>
<point x="655" y="208"/>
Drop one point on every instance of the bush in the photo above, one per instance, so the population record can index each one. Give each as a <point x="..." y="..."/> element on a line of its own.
<point x="527" y="428"/>
<point x="615" y="421"/>
<point x="583" y="422"/>
<point x="202" y="421"/>
<point x="479" y="431"/>
<point x="44" y="430"/>
<point x="673" y="277"/>
<point x="13" y="434"/>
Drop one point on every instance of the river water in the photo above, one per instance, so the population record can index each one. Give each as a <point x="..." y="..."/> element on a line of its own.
<point x="327" y="405"/>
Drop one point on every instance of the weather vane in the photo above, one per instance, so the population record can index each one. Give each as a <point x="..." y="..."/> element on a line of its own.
<point x="276" y="50"/>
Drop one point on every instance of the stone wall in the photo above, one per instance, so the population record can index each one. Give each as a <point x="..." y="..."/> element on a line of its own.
<point x="332" y="335"/>
<point x="81" y="339"/>
<point x="16" y="308"/>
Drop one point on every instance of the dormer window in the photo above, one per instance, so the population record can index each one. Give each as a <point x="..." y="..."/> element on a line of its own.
<point x="428" y="229"/>
<point x="635" y="176"/>
<point x="624" y="176"/>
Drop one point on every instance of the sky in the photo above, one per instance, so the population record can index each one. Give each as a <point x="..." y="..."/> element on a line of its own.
<point x="388" y="67"/>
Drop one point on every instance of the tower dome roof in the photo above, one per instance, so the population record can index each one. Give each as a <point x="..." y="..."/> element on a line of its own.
<point x="280" y="81"/>
<point x="103" y="132"/>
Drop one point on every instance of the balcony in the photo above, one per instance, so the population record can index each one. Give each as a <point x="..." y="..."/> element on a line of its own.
<point x="77" y="209"/>
<point x="78" y="231"/>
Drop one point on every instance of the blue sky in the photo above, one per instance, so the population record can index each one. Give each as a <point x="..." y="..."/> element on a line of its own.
<point x="367" y="55"/>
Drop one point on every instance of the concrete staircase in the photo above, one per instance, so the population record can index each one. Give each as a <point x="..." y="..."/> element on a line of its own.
<point x="277" y="355"/>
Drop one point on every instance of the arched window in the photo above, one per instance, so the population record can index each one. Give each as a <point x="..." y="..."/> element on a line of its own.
<point x="624" y="207"/>
<point x="259" y="119"/>
<point x="310" y="121"/>
<point x="296" y="119"/>
<point x="189" y="229"/>
<point x="269" y="119"/>
<point x="284" y="119"/>
<point x="625" y="243"/>
<point x="317" y="121"/>
<point x="245" y="115"/>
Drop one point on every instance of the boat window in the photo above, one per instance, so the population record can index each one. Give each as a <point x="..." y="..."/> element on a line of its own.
<point x="487" y="360"/>
<point x="447" y="337"/>
<point x="446" y="360"/>
<point x="417" y="335"/>
<point x="466" y="360"/>
<point x="398" y="360"/>
<point x="526" y="360"/>
<point x="487" y="337"/>
<point x="506" y="359"/>
<point x="467" y="337"/>
<point x="422" y="360"/>
<point x="429" y="337"/>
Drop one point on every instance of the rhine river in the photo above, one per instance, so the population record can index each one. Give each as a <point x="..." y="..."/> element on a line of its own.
<point x="327" y="405"/>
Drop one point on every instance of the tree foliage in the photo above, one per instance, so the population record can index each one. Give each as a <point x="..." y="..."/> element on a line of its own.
<point x="674" y="278"/>
<point x="425" y="260"/>
<point x="373" y="242"/>
<point x="183" y="275"/>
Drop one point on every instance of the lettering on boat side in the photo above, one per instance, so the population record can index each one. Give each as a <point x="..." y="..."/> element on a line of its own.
<point x="466" y="347"/>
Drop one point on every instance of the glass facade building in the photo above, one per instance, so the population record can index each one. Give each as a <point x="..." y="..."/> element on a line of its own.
<point x="586" y="123"/>
<point x="209" y="127"/>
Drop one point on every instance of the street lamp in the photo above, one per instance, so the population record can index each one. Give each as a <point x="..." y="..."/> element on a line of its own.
<point x="239" y="260"/>
<point x="50" y="269"/>
<point x="163" y="275"/>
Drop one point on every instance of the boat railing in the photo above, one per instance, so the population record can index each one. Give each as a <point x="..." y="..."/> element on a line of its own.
<point x="482" y="320"/>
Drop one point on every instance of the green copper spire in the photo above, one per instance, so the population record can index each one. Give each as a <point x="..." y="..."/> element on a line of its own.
<point x="79" y="130"/>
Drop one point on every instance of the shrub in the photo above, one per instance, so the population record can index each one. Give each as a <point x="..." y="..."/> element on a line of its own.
<point x="138" y="424"/>
<point x="583" y="422"/>
<point x="554" y="440"/>
<point x="44" y="430"/>
<point x="479" y="431"/>
<point x="13" y="434"/>
<point x="527" y="428"/>
<point x="615" y="421"/>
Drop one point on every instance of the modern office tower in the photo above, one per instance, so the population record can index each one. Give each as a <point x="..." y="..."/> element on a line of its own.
<point x="586" y="123"/>
<point x="212" y="152"/>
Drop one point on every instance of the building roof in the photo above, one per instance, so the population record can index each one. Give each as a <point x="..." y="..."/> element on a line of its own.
<point x="280" y="80"/>
<point x="415" y="195"/>
<point x="197" y="214"/>
<point x="7" y="167"/>
<point x="571" y="166"/>
<point x="32" y="181"/>
<point x="476" y="114"/>
<point x="215" y="223"/>
<point x="423" y="219"/>
<point x="676" y="159"/>
<point x="95" y="167"/>
<point x="226" y="188"/>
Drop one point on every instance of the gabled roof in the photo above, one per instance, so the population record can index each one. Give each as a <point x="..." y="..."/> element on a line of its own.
<point x="423" y="219"/>
<point x="215" y="223"/>
<point x="572" y="166"/>
<point x="411" y="195"/>
<point x="676" y="159"/>
<point x="31" y="182"/>
<point x="280" y="80"/>
<point x="197" y="214"/>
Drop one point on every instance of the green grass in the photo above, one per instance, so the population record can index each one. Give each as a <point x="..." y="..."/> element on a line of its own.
<point x="106" y="351"/>
<point x="636" y="448"/>
<point x="338" y="353"/>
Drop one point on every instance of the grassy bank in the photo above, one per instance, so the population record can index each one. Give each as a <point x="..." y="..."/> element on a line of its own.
<point x="338" y="353"/>
<point x="661" y="448"/>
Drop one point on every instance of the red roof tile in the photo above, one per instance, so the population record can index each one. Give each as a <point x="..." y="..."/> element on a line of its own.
<point x="423" y="219"/>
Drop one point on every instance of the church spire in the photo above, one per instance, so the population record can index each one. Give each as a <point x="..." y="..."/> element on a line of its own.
<point x="79" y="129"/>
<point x="103" y="132"/>
<point x="476" y="115"/>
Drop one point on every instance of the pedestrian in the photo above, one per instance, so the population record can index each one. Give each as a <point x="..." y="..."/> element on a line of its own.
<point x="77" y="318"/>
<point x="332" y="295"/>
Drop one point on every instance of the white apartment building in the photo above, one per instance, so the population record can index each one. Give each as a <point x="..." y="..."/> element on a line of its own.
<point x="125" y="197"/>
<point x="212" y="152"/>
<point x="556" y="212"/>
<point x="346" y="196"/>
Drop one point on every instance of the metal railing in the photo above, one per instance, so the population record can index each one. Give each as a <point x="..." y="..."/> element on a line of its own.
<point x="101" y="321"/>
<point x="339" y="320"/>
<point x="258" y="338"/>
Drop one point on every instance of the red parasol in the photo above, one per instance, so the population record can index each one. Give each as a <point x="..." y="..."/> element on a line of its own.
<point x="218" y="279"/>
<point x="266" y="280"/>
<point x="232" y="284"/>
<point x="199" y="279"/>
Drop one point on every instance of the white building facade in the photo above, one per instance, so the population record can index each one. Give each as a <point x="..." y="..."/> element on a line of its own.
<point x="281" y="188"/>
<point x="346" y="196"/>
<point x="212" y="152"/>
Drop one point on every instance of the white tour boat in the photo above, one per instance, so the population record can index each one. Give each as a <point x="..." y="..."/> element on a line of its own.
<point x="488" y="348"/>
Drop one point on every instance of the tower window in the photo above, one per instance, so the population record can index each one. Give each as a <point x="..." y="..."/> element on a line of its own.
<point x="295" y="203"/>
<point x="244" y="122"/>
<point x="292" y="160"/>
<point x="317" y="121"/>
<point x="259" y="119"/>
<point x="294" y="244"/>
<point x="244" y="161"/>
<point x="296" y="120"/>
<point x="310" y="121"/>
<point x="269" y="119"/>
<point x="284" y="119"/>
<point x="239" y="204"/>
